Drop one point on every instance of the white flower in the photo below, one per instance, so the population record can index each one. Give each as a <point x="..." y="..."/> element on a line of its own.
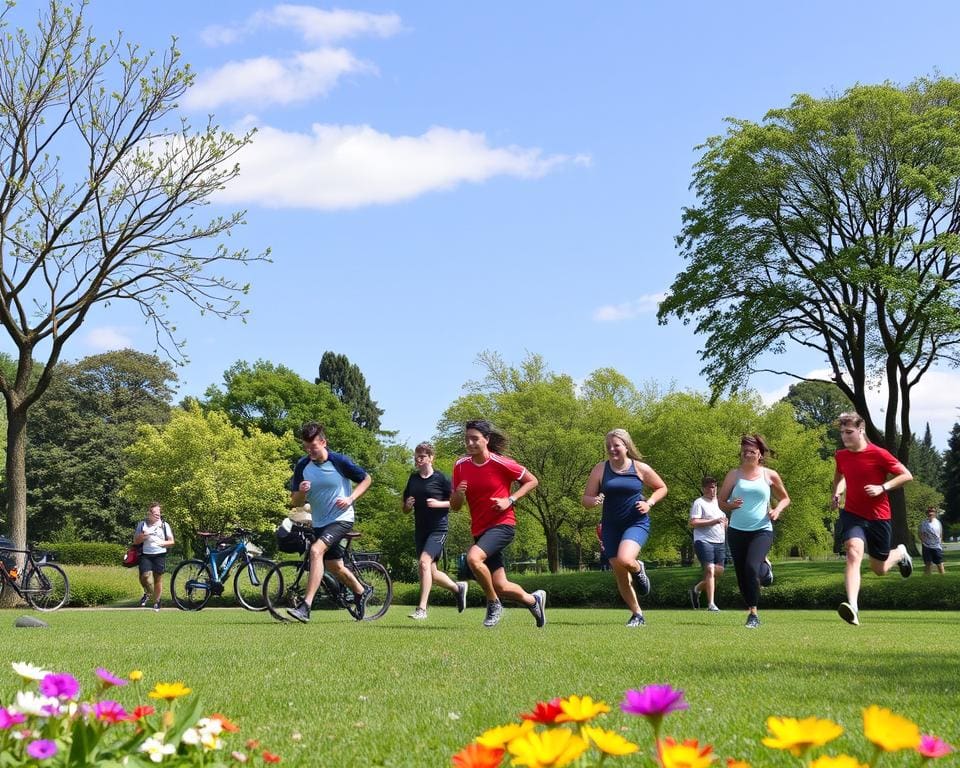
<point x="30" y="703"/>
<point x="453" y="715"/>
<point x="156" y="749"/>
<point x="28" y="671"/>
<point x="210" y="725"/>
<point x="191" y="736"/>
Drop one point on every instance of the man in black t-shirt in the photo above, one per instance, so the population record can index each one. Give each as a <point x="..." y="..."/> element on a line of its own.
<point x="428" y="494"/>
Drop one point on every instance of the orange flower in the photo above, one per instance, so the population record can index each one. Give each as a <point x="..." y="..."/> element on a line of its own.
<point x="689" y="754"/>
<point x="731" y="763"/>
<point x="477" y="756"/>
<point x="225" y="724"/>
<point x="269" y="757"/>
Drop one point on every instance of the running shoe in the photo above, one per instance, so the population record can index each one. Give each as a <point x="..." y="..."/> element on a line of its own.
<point x="494" y="614"/>
<point x="143" y="600"/>
<point x="636" y="620"/>
<point x="849" y="614"/>
<point x="906" y="563"/>
<point x="713" y="608"/>
<point x="538" y="609"/>
<point x="461" y="596"/>
<point x="695" y="598"/>
<point x="641" y="584"/>
<point x="301" y="613"/>
<point x="753" y="621"/>
<point x="420" y="614"/>
<point x="156" y="606"/>
<point x="767" y="579"/>
<point x="360" y="602"/>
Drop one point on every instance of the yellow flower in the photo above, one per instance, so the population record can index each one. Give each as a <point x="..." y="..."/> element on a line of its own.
<point x="168" y="691"/>
<point x="499" y="737"/>
<point x="889" y="731"/>
<point x="800" y="735"/>
<point x="840" y="761"/>
<point x="136" y="675"/>
<point x="609" y="742"/>
<point x="549" y="749"/>
<point x="579" y="710"/>
<point x="689" y="754"/>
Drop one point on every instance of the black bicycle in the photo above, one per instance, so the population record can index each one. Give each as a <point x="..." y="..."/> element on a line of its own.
<point x="43" y="585"/>
<point x="194" y="582"/>
<point x="286" y="583"/>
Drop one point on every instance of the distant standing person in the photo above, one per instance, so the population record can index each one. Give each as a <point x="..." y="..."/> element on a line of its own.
<point x="709" y="525"/>
<point x="427" y="494"/>
<point x="861" y="481"/>
<point x="483" y="479"/>
<point x="746" y="495"/>
<point x="156" y="537"/>
<point x="931" y="540"/>
<point x="618" y="484"/>
<point x="331" y="482"/>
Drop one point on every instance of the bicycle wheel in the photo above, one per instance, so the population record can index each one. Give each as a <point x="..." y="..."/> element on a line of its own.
<point x="248" y="583"/>
<point x="372" y="573"/>
<point x="191" y="584"/>
<point x="283" y="587"/>
<point x="47" y="587"/>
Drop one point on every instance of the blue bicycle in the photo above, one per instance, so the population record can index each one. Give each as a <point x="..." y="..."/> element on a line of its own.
<point x="194" y="582"/>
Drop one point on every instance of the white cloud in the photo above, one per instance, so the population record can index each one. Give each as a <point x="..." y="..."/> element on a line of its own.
<point x="934" y="401"/>
<point x="106" y="338"/>
<point x="266" y="80"/>
<point x="614" y="313"/>
<point x="314" y="24"/>
<point x="349" y="166"/>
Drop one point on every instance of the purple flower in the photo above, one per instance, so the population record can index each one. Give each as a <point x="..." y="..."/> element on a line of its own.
<point x="109" y="678"/>
<point x="42" y="749"/>
<point x="9" y="719"/>
<point x="653" y="702"/>
<point x="61" y="686"/>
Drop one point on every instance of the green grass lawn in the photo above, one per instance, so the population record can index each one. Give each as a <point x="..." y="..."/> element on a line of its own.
<point x="399" y="693"/>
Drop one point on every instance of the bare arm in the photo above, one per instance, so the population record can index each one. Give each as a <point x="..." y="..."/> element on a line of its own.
<point x="591" y="494"/>
<point x="723" y="497"/>
<point x="780" y="491"/>
<point x="652" y="480"/>
<point x="895" y="482"/>
<point x="839" y="488"/>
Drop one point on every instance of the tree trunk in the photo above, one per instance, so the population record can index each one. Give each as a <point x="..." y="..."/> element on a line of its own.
<point x="553" y="550"/>
<point x="901" y="533"/>
<point x="16" y="481"/>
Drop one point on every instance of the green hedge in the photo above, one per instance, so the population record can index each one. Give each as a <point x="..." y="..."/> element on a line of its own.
<point x="84" y="553"/>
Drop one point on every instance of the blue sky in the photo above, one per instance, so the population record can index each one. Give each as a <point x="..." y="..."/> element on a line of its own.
<point x="439" y="179"/>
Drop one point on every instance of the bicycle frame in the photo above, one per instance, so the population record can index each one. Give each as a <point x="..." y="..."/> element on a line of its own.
<point x="222" y="560"/>
<point x="18" y="578"/>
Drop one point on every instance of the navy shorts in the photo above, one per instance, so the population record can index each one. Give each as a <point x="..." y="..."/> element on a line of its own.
<point x="156" y="564"/>
<point x="332" y="535"/>
<point x="932" y="555"/>
<point x="613" y="534"/>
<point x="875" y="533"/>
<point x="493" y="541"/>
<point x="709" y="553"/>
<point x="430" y="542"/>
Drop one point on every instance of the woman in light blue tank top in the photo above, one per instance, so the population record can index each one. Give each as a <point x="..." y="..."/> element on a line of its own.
<point x="745" y="495"/>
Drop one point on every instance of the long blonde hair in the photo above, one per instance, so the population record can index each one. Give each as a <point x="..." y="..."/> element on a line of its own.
<point x="624" y="437"/>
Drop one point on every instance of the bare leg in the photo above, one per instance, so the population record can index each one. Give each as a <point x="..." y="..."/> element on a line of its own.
<point x="317" y="550"/>
<point x="624" y="566"/>
<point x="509" y="590"/>
<point x="477" y="560"/>
<point x="851" y="574"/>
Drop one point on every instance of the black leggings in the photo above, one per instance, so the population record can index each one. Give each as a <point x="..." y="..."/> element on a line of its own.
<point x="749" y="550"/>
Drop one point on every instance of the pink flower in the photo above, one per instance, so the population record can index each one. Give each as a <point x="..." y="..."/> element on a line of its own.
<point x="931" y="746"/>
<point x="41" y="749"/>
<point x="9" y="719"/>
<point x="61" y="686"/>
<point x="108" y="678"/>
<point x="110" y="711"/>
<point x="653" y="702"/>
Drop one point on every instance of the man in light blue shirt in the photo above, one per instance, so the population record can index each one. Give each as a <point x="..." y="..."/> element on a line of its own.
<point x="325" y="479"/>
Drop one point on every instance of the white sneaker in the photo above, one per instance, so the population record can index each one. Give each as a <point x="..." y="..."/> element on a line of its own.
<point x="849" y="614"/>
<point x="906" y="563"/>
<point x="420" y="614"/>
<point x="712" y="608"/>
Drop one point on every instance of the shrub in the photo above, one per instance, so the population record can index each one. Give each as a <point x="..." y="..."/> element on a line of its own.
<point x="92" y="585"/>
<point x="83" y="552"/>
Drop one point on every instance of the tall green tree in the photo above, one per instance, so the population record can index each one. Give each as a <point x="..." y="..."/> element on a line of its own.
<point x="926" y="462"/>
<point x="78" y="433"/>
<point x="101" y="187"/>
<point x="347" y="382"/>
<point x="208" y="474"/>
<point x="831" y="226"/>
<point x="817" y="404"/>
<point x="951" y="475"/>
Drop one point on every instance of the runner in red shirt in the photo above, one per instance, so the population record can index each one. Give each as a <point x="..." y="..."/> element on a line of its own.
<point x="861" y="476"/>
<point x="483" y="479"/>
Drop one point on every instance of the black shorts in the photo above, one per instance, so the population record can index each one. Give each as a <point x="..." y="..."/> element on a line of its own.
<point x="493" y="541"/>
<point x="875" y="533"/>
<point x="932" y="555"/>
<point x="332" y="535"/>
<point x="430" y="542"/>
<point x="155" y="564"/>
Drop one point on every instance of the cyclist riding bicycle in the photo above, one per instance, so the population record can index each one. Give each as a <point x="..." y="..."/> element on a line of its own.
<point x="325" y="479"/>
